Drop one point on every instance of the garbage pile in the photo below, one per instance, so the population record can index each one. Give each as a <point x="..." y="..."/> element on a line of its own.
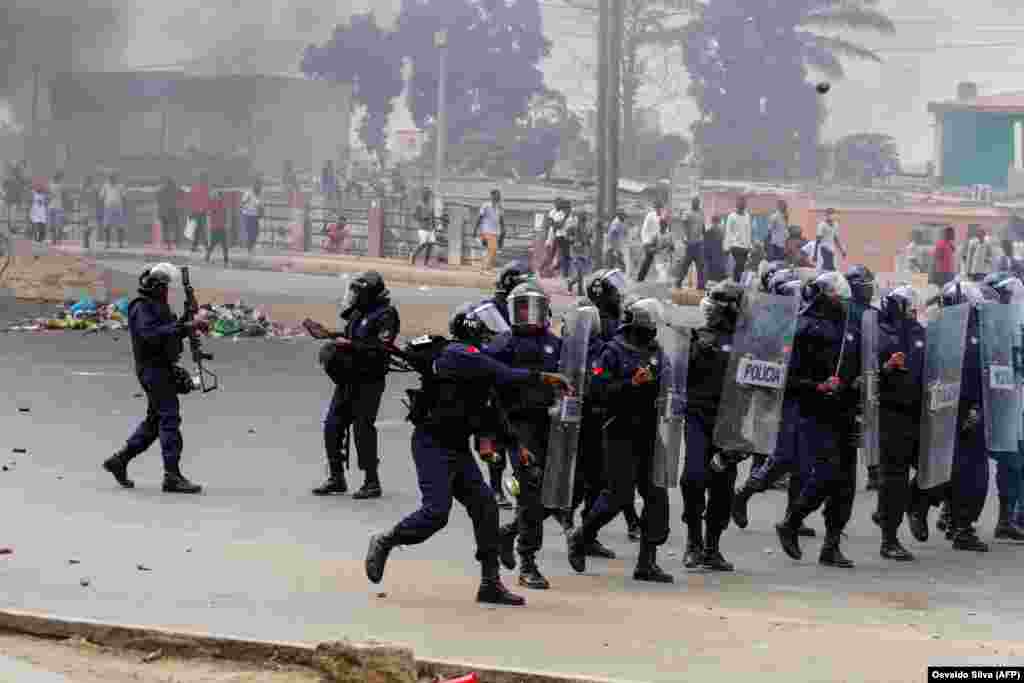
<point x="226" y="320"/>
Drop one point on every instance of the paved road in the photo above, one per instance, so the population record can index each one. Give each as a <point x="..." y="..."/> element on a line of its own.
<point x="18" y="671"/>
<point x="257" y="556"/>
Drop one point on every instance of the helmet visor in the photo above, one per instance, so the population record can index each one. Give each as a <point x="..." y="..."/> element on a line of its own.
<point x="646" y="313"/>
<point x="489" y="315"/>
<point x="616" y="279"/>
<point x="529" y="310"/>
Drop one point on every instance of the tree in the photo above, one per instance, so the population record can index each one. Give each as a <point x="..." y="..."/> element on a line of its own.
<point x="749" y="62"/>
<point x="862" y="157"/>
<point x="368" y="57"/>
<point x="656" y="155"/>
<point x="494" y="52"/>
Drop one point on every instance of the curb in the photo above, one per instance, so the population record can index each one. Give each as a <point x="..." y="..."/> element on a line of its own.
<point x="341" y="661"/>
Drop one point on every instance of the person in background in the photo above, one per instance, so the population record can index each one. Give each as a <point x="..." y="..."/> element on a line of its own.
<point x="1005" y="261"/>
<point x="12" y="193"/>
<point x="91" y="199"/>
<point x="490" y="227"/>
<point x="40" y="211"/>
<point x="167" y="208"/>
<point x="252" y="212"/>
<point x="778" y="233"/>
<point x="738" y="238"/>
<point x="981" y="256"/>
<point x="112" y="195"/>
<point x="944" y="259"/>
<point x="329" y="180"/>
<point x="827" y="242"/>
<point x="218" y="226"/>
<point x="424" y="217"/>
<point x="338" y="234"/>
<point x="615" y="255"/>
<point x="693" y="235"/>
<point x="714" y="252"/>
<point x="794" y="255"/>
<point x="649" y="236"/>
<point x="199" y="208"/>
<point x="57" y="207"/>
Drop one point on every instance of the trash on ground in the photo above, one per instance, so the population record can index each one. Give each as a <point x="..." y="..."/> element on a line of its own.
<point x="21" y="451"/>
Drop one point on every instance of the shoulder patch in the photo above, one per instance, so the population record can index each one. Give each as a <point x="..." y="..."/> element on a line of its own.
<point x="472" y="349"/>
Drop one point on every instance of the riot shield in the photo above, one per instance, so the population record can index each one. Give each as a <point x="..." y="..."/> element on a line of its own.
<point x="675" y="344"/>
<point x="869" y="388"/>
<point x="649" y="289"/>
<point x="564" y="437"/>
<point x="751" y="407"/>
<point x="943" y="365"/>
<point x="997" y="326"/>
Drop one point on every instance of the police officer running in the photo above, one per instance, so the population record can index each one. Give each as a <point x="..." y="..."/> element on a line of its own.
<point x="707" y="486"/>
<point x="369" y="316"/>
<point x="157" y="346"/>
<point x="823" y="367"/>
<point x="626" y="379"/>
<point x="450" y="406"/>
<point x="529" y="346"/>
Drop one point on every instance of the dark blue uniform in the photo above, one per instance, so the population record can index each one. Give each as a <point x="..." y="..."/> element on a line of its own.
<point x="900" y="394"/>
<point x="827" y="436"/>
<point x="702" y="485"/>
<point x="157" y="346"/>
<point x="630" y="431"/>
<point x="445" y="467"/>
<point x="969" y="485"/>
<point x="590" y="479"/>
<point x="356" y="400"/>
<point x="527" y="410"/>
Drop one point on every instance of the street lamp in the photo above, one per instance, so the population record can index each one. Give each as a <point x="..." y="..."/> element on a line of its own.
<point x="441" y="134"/>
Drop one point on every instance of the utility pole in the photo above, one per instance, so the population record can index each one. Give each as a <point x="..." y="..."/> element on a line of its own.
<point x="31" y="147"/>
<point x="441" y="133"/>
<point x="600" y="137"/>
<point x="613" y="107"/>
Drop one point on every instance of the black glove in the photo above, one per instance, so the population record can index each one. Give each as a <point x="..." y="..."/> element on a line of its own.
<point x="971" y="421"/>
<point x="182" y="380"/>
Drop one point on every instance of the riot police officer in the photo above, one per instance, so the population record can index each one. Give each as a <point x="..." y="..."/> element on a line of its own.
<point x="901" y="349"/>
<point x="509" y="278"/>
<point x="369" y="316"/>
<point x="862" y="287"/>
<point x="784" y="461"/>
<point x="606" y="290"/>
<point x="964" y="496"/>
<point x="529" y="346"/>
<point x="707" y="486"/>
<point x="450" y="406"/>
<point x="1009" y="471"/>
<point x="626" y="380"/>
<point x="157" y="346"/>
<point x="823" y="367"/>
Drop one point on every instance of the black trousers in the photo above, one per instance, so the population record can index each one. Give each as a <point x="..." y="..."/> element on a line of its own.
<point x="739" y="257"/>
<point x="704" y="489"/>
<point x="899" y="439"/>
<point x="170" y="230"/>
<point x="163" y="418"/>
<point x="590" y="479"/>
<point x="649" y="253"/>
<point x="694" y="255"/>
<point x="831" y="446"/>
<point x="356" y="405"/>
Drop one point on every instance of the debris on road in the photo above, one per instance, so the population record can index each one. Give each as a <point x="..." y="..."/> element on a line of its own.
<point x="153" y="656"/>
<point x="21" y="451"/>
<point x="24" y="410"/>
<point x="143" y="568"/>
<point x="84" y="583"/>
<point x="74" y="562"/>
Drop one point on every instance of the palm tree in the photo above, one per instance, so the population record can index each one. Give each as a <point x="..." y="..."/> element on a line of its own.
<point x="823" y="52"/>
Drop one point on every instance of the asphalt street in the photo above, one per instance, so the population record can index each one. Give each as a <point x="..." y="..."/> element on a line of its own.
<point x="257" y="556"/>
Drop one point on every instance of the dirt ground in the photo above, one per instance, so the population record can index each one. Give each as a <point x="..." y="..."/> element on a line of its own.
<point x="83" y="662"/>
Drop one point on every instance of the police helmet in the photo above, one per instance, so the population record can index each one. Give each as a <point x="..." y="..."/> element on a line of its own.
<point x="830" y="286"/>
<point x="155" y="277"/>
<point x="529" y="307"/>
<point x="1007" y="285"/>
<point x="962" y="292"/>
<point x="781" y="277"/>
<point x="640" y="319"/>
<point x="902" y="303"/>
<point x="722" y="305"/>
<point x="768" y="269"/>
<point x="862" y="283"/>
<point x="476" y="323"/>
<point x="364" y="290"/>
<point x="606" y="290"/>
<point x="511" y="275"/>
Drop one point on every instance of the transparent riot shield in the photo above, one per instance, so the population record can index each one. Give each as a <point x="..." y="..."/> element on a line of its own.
<point x="564" y="438"/>
<point x="869" y="388"/>
<point x="998" y="325"/>
<point x="675" y="344"/>
<point x="943" y="366"/>
<point x="755" y="381"/>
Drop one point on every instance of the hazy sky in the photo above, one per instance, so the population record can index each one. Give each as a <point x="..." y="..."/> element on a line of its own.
<point x="937" y="44"/>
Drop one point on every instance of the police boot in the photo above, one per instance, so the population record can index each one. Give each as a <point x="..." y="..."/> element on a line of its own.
<point x="597" y="549"/>
<point x="694" y="555"/>
<point x="874" y="479"/>
<point x="945" y="522"/>
<point x="782" y="484"/>
<point x="577" y="551"/>
<point x="335" y="483"/>
<point x="370" y="488"/>
<point x="739" y="504"/>
<point x="529" y="574"/>
<point x="892" y="549"/>
<point x="806" y="532"/>
<point x="377" y="554"/>
<point x="175" y="481"/>
<point x="507" y="549"/>
<point x="917" y="520"/>
<point x="117" y="465"/>
<point x="647" y="568"/>
<point x="788" y="531"/>
<point x="966" y="538"/>
<point x="1006" y="529"/>
<point x="713" y="558"/>
<point x="831" y="555"/>
<point x="493" y="592"/>
<point x="633" y="533"/>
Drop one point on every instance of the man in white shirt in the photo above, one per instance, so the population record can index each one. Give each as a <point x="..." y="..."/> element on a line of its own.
<point x="827" y="242"/>
<point x="112" y="196"/>
<point x="490" y="225"/>
<point x="737" y="238"/>
<point x="649" y="234"/>
<point x="775" y="245"/>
